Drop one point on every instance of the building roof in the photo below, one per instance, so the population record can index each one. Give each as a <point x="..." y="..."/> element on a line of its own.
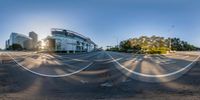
<point x="74" y="33"/>
<point x="69" y="31"/>
<point x="22" y="35"/>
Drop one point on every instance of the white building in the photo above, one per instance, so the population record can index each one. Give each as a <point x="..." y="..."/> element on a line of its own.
<point x="70" y="41"/>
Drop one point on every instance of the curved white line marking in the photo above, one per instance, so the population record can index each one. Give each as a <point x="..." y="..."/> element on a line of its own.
<point x="156" y="76"/>
<point x="80" y="60"/>
<point x="63" y="75"/>
<point x="103" y="60"/>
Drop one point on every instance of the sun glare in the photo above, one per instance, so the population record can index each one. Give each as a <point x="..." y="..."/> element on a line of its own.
<point x="41" y="24"/>
<point x="43" y="44"/>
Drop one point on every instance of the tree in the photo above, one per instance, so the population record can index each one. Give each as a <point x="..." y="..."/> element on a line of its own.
<point x="154" y="44"/>
<point x="179" y="45"/>
<point x="16" y="47"/>
<point x="125" y="45"/>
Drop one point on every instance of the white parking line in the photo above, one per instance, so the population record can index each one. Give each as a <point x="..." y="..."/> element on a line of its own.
<point x="159" y="60"/>
<point x="186" y="57"/>
<point x="72" y="59"/>
<point x="113" y="60"/>
<point x="154" y="76"/>
<point x="63" y="75"/>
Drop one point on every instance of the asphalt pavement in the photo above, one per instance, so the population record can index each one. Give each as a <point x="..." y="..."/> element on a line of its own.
<point x="99" y="75"/>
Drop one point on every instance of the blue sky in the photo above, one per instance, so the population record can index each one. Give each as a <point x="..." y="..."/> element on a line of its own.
<point x="104" y="21"/>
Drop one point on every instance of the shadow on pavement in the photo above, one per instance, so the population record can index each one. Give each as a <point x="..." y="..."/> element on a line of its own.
<point x="87" y="84"/>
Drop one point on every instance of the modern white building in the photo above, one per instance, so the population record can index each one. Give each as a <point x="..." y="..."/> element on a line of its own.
<point x="70" y="41"/>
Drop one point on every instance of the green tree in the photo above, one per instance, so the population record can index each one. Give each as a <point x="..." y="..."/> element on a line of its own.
<point x="125" y="45"/>
<point x="180" y="45"/>
<point x="16" y="47"/>
<point x="154" y="44"/>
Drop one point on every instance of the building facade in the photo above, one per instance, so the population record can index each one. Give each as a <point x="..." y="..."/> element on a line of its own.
<point x="70" y="41"/>
<point x="27" y="43"/>
<point x="16" y="38"/>
<point x="7" y="43"/>
<point x="34" y="37"/>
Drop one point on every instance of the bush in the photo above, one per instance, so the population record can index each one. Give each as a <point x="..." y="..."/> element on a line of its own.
<point x="157" y="52"/>
<point x="162" y="50"/>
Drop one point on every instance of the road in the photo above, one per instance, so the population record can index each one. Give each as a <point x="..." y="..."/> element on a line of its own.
<point x="99" y="75"/>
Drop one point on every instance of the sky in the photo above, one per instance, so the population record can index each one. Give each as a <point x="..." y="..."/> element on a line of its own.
<point x="106" y="22"/>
